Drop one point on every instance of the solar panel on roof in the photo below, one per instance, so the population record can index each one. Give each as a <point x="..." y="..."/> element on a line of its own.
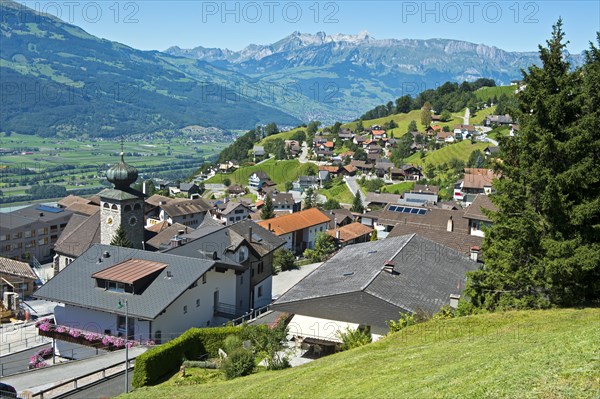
<point x="406" y="209"/>
<point x="51" y="209"/>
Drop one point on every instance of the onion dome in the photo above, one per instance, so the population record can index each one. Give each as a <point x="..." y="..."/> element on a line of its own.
<point x="122" y="175"/>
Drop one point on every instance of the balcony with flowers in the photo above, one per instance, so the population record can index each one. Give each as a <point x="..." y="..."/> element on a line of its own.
<point x="47" y="328"/>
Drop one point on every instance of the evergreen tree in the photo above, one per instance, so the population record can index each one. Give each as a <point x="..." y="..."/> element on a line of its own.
<point x="357" y="205"/>
<point x="120" y="239"/>
<point x="543" y="248"/>
<point x="426" y="114"/>
<point x="267" y="210"/>
<point x="309" y="198"/>
<point x="412" y="127"/>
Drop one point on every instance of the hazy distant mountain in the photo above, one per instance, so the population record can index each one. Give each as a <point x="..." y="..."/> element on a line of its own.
<point x="361" y="71"/>
<point x="58" y="79"/>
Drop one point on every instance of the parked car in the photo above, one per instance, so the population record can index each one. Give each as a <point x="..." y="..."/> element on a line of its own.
<point x="7" y="391"/>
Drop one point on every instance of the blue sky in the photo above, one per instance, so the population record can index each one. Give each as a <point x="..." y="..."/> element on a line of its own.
<point x="157" y="25"/>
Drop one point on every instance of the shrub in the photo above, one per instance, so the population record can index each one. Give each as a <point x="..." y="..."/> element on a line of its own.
<point x="239" y="363"/>
<point x="404" y="321"/>
<point x="231" y="343"/>
<point x="157" y="362"/>
<point x="201" y="364"/>
<point x="354" y="338"/>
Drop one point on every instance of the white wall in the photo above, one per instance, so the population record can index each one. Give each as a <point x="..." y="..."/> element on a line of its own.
<point x="267" y="293"/>
<point x="94" y="321"/>
<point x="310" y="234"/>
<point x="174" y="322"/>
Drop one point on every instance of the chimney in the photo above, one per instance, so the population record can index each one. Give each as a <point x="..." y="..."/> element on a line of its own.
<point x="250" y="234"/>
<point x="180" y="232"/>
<point x="144" y="188"/>
<point x="41" y="214"/>
<point x="175" y="242"/>
<point x="450" y="225"/>
<point x="269" y="226"/>
<point x="161" y="202"/>
<point x="338" y="234"/>
<point x="454" y="300"/>
<point x="106" y="254"/>
<point x="475" y="253"/>
<point x="388" y="266"/>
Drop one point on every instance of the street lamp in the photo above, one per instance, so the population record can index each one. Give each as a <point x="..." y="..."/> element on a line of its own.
<point x="123" y="303"/>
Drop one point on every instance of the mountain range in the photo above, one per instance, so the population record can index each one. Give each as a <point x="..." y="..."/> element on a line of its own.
<point x="353" y="73"/>
<point x="59" y="80"/>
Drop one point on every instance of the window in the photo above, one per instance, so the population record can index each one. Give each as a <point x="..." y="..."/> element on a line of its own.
<point x="242" y="279"/>
<point x="18" y="235"/>
<point x="23" y="286"/>
<point x="53" y="228"/>
<point x="204" y="279"/>
<point x="184" y="309"/>
<point x="106" y="205"/>
<point x="43" y="231"/>
<point x="114" y="207"/>
<point x="114" y="286"/>
<point x="157" y="337"/>
<point x="63" y="225"/>
<point x="7" y="247"/>
<point x="260" y="291"/>
<point x="197" y="303"/>
<point x="27" y="234"/>
<point x="127" y="208"/>
<point x="5" y="237"/>
<point x="137" y="206"/>
<point x="261" y="267"/>
<point x="43" y="241"/>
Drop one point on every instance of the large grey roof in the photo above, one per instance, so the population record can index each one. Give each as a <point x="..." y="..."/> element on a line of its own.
<point x="74" y="284"/>
<point x="80" y="233"/>
<point x="31" y="214"/>
<point x="425" y="274"/>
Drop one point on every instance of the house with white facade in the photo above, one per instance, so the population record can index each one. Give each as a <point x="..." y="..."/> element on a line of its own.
<point x="165" y="294"/>
<point x="243" y="242"/>
<point x="257" y="179"/>
<point x="299" y="230"/>
<point x="231" y="212"/>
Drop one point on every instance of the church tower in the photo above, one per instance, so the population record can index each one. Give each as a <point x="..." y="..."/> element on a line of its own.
<point x="122" y="205"/>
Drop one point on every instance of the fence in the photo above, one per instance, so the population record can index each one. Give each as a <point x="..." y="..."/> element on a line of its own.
<point x="77" y="382"/>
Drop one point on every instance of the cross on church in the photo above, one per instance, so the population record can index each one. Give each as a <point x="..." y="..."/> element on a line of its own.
<point x="122" y="144"/>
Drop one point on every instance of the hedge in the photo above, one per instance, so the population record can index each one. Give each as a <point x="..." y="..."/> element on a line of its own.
<point x="156" y="363"/>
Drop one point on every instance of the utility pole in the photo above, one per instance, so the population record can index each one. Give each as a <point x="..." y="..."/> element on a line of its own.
<point x="120" y="305"/>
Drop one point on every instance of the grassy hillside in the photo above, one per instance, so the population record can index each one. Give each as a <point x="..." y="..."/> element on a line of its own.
<point x="280" y="172"/>
<point x="481" y="115"/>
<point x="339" y="191"/>
<point x="487" y="92"/>
<point x="533" y="354"/>
<point x="403" y="121"/>
<point x="282" y="135"/>
<point x="460" y="150"/>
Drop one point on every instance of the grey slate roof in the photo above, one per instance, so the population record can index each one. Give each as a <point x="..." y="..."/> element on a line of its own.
<point x="74" y="284"/>
<point x="28" y="215"/>
<point x="352" y="284"/>
<point x="80" y="233"/>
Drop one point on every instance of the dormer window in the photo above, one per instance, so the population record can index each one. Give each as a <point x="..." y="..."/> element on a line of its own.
<point x="115" y="286"/>
<point x="130" y="276"/>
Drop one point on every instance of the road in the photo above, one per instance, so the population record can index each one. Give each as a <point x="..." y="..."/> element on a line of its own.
<point x="109" y="388"/>
<point x="467" y="116"/>
<point x="17" y="362"/>
<point x="304" y="154"/>
<point x="353" y="186"/>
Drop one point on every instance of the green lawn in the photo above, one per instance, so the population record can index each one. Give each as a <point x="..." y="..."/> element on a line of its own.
<point x="487" y="92"/>
<point x="398" y="188"/>
<point x="460" y="150"/>
<point x="280" y="172"/>
<point x="282" y="135"/>
<point x="339" y="191"/>
<point x="525" y="354"/>
<point x="481" y="115"/>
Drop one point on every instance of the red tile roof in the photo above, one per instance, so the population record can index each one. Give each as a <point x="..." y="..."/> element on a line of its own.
<point x="295" y="221"/>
